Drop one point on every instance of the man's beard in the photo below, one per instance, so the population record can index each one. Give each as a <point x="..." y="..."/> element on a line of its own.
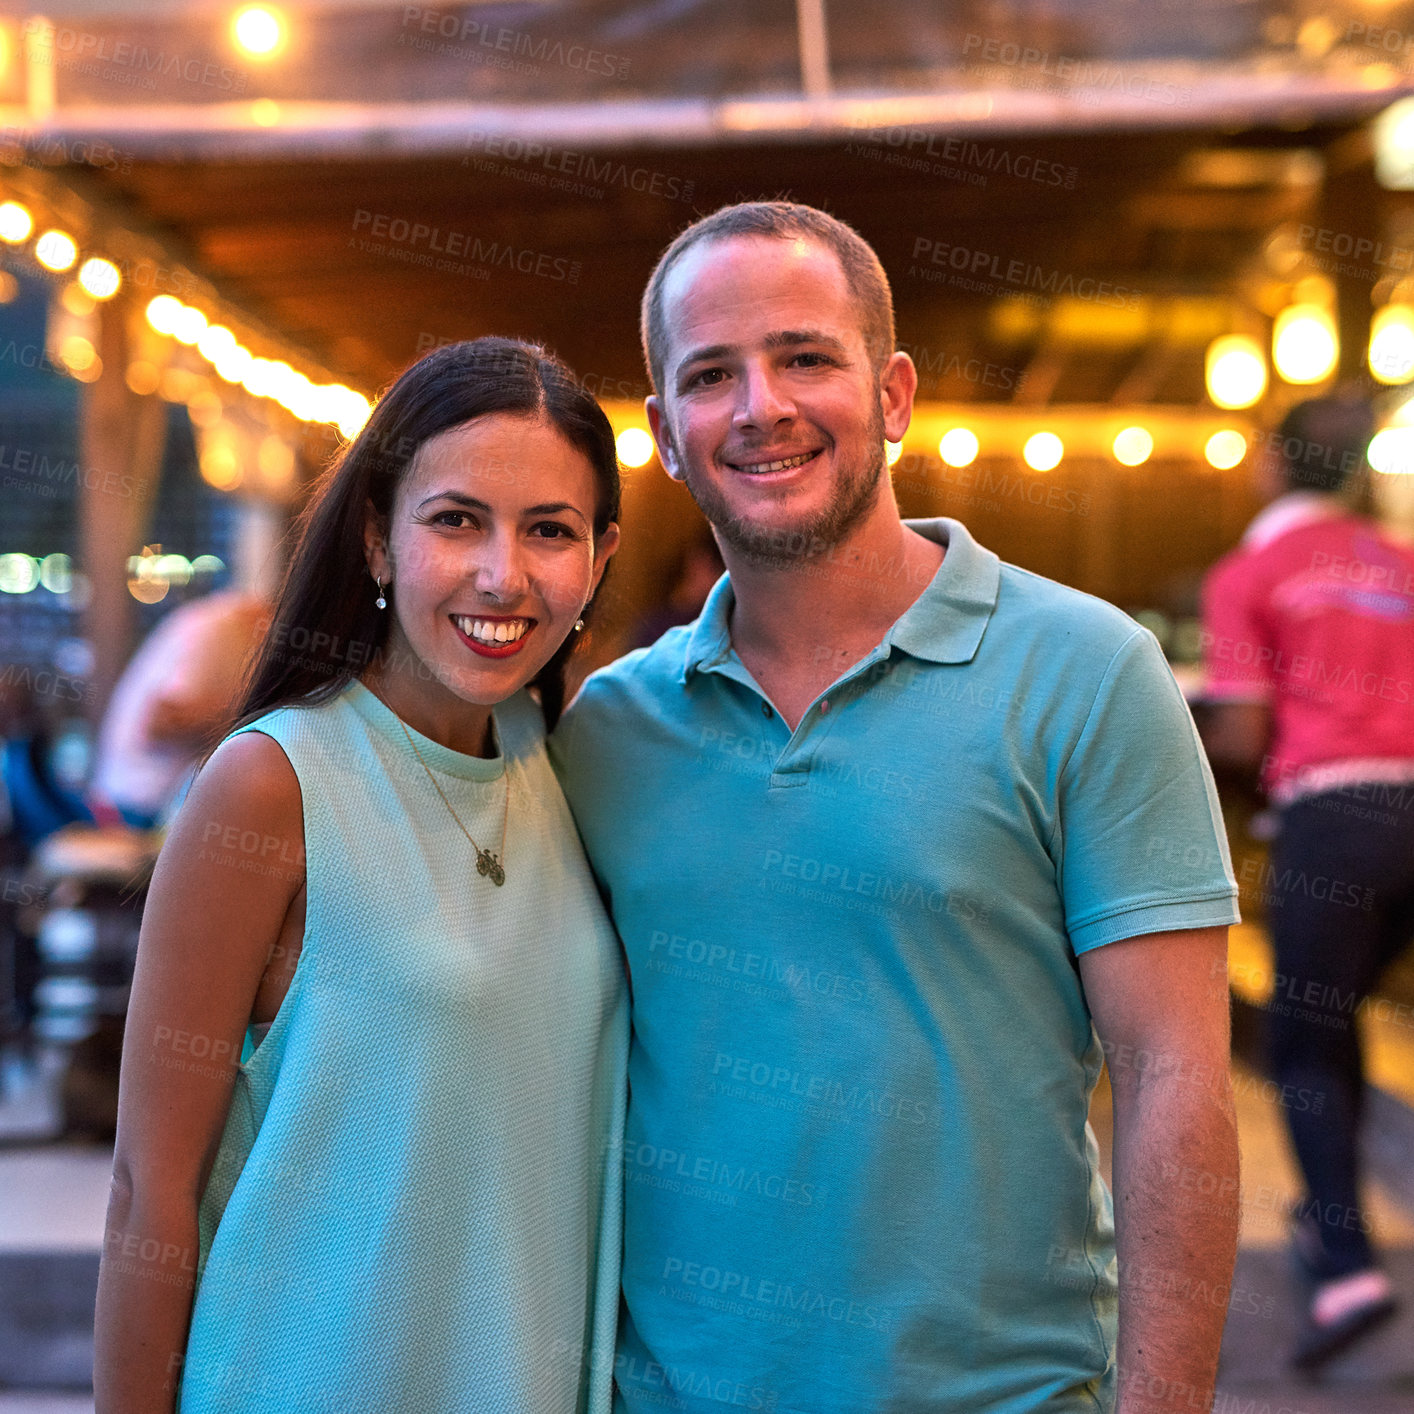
<point x="779" y="546"/>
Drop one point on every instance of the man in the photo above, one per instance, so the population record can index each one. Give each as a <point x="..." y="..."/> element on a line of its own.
<point x="881" y="832"/>
<point x="1309" y="645"/>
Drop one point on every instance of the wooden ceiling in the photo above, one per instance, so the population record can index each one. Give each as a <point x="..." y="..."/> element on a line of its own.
<point x="343" y="256"/>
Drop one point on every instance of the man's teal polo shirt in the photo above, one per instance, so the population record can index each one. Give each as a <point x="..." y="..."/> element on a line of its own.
<point x="859" y="1171"/>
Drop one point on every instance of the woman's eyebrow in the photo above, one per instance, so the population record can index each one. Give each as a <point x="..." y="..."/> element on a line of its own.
<point x="547" y="508"/>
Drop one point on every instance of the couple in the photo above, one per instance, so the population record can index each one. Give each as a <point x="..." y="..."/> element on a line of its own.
<point x="888" y="834"/>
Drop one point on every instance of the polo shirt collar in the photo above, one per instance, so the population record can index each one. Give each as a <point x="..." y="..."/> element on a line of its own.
<point x="944" y="624"/>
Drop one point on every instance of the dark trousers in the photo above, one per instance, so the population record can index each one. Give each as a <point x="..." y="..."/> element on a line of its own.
<point x="1341" y="906"/>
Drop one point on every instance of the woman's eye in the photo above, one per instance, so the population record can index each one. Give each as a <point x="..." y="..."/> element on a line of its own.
<point x="552" y="530"/>
<point x="454" y="519"/>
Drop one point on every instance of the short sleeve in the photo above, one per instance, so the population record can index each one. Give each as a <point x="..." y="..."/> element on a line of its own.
<point x="1140" y="843"/>
<point x="1237" y="653"/>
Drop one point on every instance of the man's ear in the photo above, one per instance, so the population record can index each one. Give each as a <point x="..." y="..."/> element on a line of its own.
<point x="658" y="425"/>
<point x="375" y="545"/>
<point x="898" y="383"/>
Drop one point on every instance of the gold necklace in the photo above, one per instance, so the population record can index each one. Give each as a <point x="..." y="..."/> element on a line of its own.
<point x="488" y="865"/>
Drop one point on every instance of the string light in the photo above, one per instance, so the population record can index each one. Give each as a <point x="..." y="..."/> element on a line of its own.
<point x="959" y="446"/>
<point x="55" y="250"/>
<point x="1133" y="446"/>
<point x="634" y="446"/>
<point x="1391" y="354"/>
<point x="258" y="31"/>
<point x="1305" y="347"/>
<point x="1043" y="452"/>
<point x="15" y="222"/>
<point x="100" y="278"/>
<point x="1235" y="371"/>
<point x="1225" y="449"/>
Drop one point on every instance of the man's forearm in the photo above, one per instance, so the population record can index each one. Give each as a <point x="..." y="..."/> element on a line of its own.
<point x="1176" y="1216"/>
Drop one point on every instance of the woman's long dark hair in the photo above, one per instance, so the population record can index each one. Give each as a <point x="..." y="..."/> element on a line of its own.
<point x="326" y="628"/>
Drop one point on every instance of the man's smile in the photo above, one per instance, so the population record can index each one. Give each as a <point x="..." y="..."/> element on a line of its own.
<point x="757" y="465"/>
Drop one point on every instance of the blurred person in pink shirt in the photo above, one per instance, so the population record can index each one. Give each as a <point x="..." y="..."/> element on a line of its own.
<point x="1309" y="655"/>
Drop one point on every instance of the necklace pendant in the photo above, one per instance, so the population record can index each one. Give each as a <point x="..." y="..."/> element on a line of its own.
<point x="489" y="866"/>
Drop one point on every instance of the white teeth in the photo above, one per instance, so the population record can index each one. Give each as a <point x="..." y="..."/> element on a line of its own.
<point x="494" y="631"/>
<point x="782" y="465"/>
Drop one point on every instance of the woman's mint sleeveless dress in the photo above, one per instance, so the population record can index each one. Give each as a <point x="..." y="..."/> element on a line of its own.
<point x="415" y="1208"/>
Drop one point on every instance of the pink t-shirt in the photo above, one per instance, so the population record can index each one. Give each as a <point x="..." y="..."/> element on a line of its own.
<point x="1314" y="614"/>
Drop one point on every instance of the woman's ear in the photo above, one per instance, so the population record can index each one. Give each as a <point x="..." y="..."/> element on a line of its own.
<point x="604" y="547"/>
<point x="375" y="545"/>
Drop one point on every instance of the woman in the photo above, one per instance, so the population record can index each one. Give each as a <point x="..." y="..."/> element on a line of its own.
<point x="370" y="1124"/>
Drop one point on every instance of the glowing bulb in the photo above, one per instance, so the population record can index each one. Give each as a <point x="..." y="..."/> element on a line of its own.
<point x="1236" y="372"/>
<point x="215" y="343"/>
<point x="221" y="468"/>
<point x="1391" y="451"/>
<point x="959" y="446"/>
<point x="1225" y="449"/>
<point x="258" y="30"/>
<point x="163" y="313"/>
<point x="189" y="325"/>
<point x="1304" y="344"/>
<point x="258" y="378"/>
<point x="56" y="573"/>
<point x="634" y="446"/>
<point x="234" y="364"/>
<point x="354" y="411"/>
<point x="1133" y="447"/>
<point x="1391" y="354"/>
<point x="55" y="250"/>
<point x="18" y="574"/>
<point x="15" y="223"/>
<point x="100" y="278"/>
<point x="1043" y="451"/>
<point x="77" y="353"/>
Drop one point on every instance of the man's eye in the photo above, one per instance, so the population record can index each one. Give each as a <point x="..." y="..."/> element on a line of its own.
<point x="706" y="377"/>
<point x="812" y="360"/>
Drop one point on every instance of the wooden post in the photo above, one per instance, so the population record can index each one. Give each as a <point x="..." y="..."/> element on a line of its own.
<point x="1350" y="209"/>
<point x="121" y="438"/>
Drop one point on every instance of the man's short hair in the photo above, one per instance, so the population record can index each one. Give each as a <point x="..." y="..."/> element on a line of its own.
<point x="1323" y="440"/>
<point x="778" y="220"/>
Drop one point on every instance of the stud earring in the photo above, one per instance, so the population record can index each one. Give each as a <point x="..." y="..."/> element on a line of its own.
<point x="579" y="625"/>
<point x="381" y="602"/>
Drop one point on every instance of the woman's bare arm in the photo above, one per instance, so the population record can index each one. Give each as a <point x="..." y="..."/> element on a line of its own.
<point x="226" y="896"/>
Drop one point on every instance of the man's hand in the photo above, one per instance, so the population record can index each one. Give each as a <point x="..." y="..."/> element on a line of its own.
<point x="1160" y="1005"/>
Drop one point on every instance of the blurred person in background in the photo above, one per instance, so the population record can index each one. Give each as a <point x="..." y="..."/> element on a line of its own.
<point x="697" y="567"/>
<point x="35" y="801"/>
<point x="369" y="1137"/>
<point x="177" y="691"/>
<point x="1309" y="657"/>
